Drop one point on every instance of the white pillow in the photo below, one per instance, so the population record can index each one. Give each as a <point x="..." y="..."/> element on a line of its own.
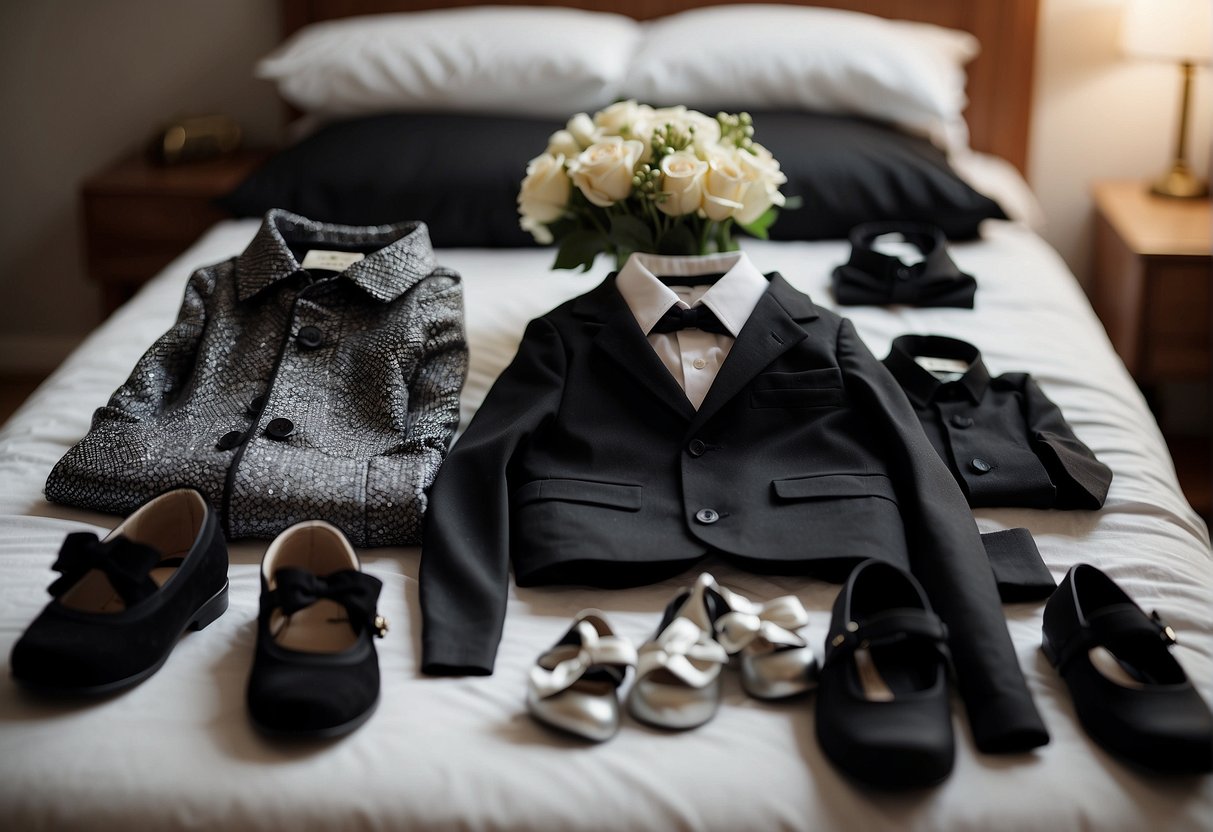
<point x="520" y="60"/>
<point x="826" y="60"/>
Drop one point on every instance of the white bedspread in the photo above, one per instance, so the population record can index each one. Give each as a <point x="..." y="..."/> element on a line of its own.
<point x="177" y="751"/>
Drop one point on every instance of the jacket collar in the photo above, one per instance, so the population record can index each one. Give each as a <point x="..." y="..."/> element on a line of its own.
<point x="920" y="385"/>
<point x="397" y="256"/>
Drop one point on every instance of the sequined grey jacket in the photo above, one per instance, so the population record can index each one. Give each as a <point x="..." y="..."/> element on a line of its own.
<point x="286" y="394"/>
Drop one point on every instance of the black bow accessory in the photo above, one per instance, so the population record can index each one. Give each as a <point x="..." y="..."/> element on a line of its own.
<point x="696" y="317"/>
<point x="126" y="565"/>
<point x="870" y="278"/>
<point x="356" y="591"/>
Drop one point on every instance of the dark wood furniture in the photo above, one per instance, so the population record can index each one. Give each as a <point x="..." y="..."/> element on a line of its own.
<point x="138" y="216"/>
<point x="1151" y="289"/>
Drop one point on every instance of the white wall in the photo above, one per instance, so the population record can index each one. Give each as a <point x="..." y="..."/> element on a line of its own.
<point x="83" y="82"/>
<point x="1101" y="115"/>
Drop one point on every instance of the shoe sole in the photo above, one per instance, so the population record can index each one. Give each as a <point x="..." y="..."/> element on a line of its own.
<point x="331" y="732"/>
<point x="205" y="615"/>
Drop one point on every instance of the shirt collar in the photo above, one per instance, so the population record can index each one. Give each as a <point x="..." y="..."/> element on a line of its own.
<point x="731" y="298"/>
<point x="920" y="385"/>
<point x="397" y="256"/>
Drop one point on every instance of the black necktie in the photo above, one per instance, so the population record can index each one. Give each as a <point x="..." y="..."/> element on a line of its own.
<point x="697" y="317"/>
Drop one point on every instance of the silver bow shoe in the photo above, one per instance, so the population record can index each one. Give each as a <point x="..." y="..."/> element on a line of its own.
<point x="678" y="682"/>
<point x="573" y="685"/>
<point x="776" y="662"/>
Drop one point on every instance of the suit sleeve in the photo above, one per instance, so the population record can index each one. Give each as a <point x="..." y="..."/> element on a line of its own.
<point x="396" y="498"/>
<point x="947" y="556"/>
<point x="465" y="555"/>
<point x="1082" y="481"/>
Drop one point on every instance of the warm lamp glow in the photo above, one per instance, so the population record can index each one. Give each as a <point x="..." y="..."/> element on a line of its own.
<point x="1180" y="31"/>
<point x="1170" y="30"/>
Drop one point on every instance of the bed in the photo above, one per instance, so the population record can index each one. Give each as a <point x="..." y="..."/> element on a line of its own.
<point x="178" y="752"/>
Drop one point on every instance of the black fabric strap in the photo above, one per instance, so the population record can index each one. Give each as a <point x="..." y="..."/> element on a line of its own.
<point x="297" y="588"/>
<point x="887" y="627"/>
<point x="870" y="278"/>
<point x="1109" y="626"/>
<point x="126" y="565"/>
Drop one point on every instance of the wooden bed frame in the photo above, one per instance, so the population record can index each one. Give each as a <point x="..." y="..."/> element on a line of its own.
<point x="1000" y="79"/>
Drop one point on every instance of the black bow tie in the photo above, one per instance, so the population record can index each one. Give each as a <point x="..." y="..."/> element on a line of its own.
<point x="697" y="317"/>
<point x="872" y="278"/>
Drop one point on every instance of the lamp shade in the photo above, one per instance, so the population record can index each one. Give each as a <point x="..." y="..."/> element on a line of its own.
<point x="1172" y="30"/>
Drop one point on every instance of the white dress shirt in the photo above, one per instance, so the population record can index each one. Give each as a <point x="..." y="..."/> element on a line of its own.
<point x="692" y="356"/>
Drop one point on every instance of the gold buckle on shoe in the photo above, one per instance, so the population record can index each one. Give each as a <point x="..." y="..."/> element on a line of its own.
<point x="1165" y="632"/>
<point x="380" y="625"/>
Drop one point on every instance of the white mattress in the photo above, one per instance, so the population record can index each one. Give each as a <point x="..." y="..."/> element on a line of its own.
<point x="178" y="752"/>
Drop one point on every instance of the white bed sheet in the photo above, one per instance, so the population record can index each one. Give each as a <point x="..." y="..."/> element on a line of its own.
<point x="177" y="751"/>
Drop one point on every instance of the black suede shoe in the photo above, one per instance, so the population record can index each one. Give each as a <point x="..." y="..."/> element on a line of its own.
<point x="1131" y="695"/>
<point x="121" y="603"/>
<point x="883" y="715"/>
<point x="315" y="672"/>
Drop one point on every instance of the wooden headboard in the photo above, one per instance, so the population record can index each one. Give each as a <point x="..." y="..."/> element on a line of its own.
<point x="1000" y="79"/>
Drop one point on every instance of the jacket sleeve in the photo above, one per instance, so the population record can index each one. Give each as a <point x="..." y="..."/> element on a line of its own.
<point x="158" y="378"/>
<point x="397" y="481"/>
<point x="947" y="556"/>
<point x="1082" y="481"/>
<point x="465" y="555"/>
<point x="165" y="369"/>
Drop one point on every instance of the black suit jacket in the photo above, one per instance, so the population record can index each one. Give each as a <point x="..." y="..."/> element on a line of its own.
<point x="586" y="463"/>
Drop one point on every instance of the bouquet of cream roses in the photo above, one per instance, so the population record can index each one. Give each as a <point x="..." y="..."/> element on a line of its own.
<point x="635" y="178"/>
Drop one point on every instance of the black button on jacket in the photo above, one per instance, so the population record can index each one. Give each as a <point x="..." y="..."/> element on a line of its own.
<point x="1006" y="443"/>
<point x="286" y="395"/>
<point x="586" y="463"/>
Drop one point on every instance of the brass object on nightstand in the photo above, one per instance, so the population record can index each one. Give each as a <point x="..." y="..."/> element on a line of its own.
<point x="194" y="139"/>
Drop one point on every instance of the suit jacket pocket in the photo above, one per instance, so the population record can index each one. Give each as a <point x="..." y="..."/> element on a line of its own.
<point x="607" y="494"/>
<point x="807" y="388"/>
<point x="832" y="486"/>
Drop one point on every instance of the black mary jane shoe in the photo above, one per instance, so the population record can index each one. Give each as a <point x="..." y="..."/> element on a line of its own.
<point x="883" y="715"/>
<point x="120" y="604"/>
<point x="1131" y="695"/>
<point x="315" y="671"/>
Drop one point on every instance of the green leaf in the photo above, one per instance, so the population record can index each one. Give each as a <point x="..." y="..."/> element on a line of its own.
<point x="679" y="240"/>
<point x="758" y="228"/>
<point x="579" y="248"/>
<point x="630" y="233"/>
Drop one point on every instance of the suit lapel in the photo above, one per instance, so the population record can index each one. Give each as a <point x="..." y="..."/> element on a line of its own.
<point x="772" y="329"/>
<point x="621" y="339"/>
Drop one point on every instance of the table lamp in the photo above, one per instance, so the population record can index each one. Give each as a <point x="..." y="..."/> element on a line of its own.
<point x="1179" y="31"/>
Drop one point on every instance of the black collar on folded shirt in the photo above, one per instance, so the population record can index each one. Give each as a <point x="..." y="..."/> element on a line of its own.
<point x="870" y="278"/>
<point x="922" y="386"/>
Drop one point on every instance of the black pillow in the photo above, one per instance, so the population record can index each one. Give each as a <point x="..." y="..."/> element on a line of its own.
<point x="849" y="171"/>
<point x="460" y="174"/>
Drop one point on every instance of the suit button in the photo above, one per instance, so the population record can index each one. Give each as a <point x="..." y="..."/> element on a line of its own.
<point x="959" y="421"/>
<point x="279" y="428"/>
<point x="697" y="447"/>
<point x="981" y="466"/>
<point x="229" y="440"/>
<point x="707" y="516"/>
<point x="254" y="407"/>
<point x="309" y="337"/>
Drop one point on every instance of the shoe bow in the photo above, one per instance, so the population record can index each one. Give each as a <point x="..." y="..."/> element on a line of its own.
<point x="356" y="591"/>
<point x="680" y="644"/>
<point x="776" y="621"/>
<point x="126" y="565"/>
<point x="596" y="651"/>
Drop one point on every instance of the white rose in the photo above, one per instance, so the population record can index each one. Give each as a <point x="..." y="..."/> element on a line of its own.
<point x="581" y="128"/>
<point x="562" y="143"/>
<point x="543" y="195"/>
<point x="620" y="118"/>
<point x="682" y="179"/>
<point x="603" y="171"/>
<point x="724" y="185"/>
<point x="762" y="172"/>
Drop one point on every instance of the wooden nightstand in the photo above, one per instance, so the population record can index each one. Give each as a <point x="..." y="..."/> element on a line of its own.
<point x="1151" y="289"/>
<point x="138" y="216"/>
